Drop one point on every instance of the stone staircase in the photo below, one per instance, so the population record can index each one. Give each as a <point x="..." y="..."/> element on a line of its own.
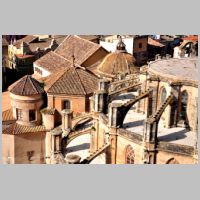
<point x="96" y="153"/>
<point x="160" y="111"/>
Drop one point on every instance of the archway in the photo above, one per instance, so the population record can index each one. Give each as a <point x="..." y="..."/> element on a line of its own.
<point x="163" y="95"/>
<point x="82" y="123"/>
<point x="183" y="109"/>
<point x="183" y="120"/>
<point x="129" y="155"/>
<point x="130" y="118"/>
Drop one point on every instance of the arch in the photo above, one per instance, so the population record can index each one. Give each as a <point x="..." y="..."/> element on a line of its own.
<point x="163" y="95"/>
<point x="127" y="106"/>
<point x="78" y="121"/>
<point x="129" y="155"/>
<point x="74" y="135"/>
<point x="183" y="106"/>
<point x="172" y="161"/>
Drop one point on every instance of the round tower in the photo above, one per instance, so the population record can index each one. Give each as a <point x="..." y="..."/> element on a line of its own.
<point x="26" y="100"/>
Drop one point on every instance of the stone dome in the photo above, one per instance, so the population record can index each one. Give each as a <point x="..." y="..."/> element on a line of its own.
<point x="117" y="63"/>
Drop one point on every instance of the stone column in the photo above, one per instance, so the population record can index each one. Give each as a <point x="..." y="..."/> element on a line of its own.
<point x="150" y="132"/>
<point x="114" y="123"/>
<point x="100" y="101"/>
<point x="151" y="102"/>
<point x="66" y="121"/>
<point x="48" y="122"/>
<point x="56" y="155"/>
<point x="48" y="146"/>
<point x="112" y="151"/>
<point x="101" y="95"/>
<point x="95" y="133"/>
<point x="113" y="115"/>
<point x="150" y="141"/>
<point x="56" y="139"/>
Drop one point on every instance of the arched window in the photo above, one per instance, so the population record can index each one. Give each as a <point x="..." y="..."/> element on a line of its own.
<point x="129" y="155"/>
<point x="163" y="95"/>
<point x="183" y="108"/>
<point x="172" y="161"/>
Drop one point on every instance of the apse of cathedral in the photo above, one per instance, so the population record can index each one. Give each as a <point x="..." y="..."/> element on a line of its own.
<point x="100" y="99"/>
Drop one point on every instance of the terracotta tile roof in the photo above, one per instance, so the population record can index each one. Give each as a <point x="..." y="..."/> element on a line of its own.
<point x="59" y="38"/>
<point x="42" y="45"/>
<point x="73" y="45"/>
<point x="16" y="129"/>
<point x="7" y="115"/>
<point x="26" y="86"/>
<point x="154" y="42"/>
<point x="73" y="81"/>
<point x="193" y="38"/>
<point x="52" y="62"/>
<point x="89" y="37"/>
<point x="28" y="39"/>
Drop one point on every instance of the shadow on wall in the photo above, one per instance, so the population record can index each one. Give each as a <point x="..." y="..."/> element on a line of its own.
<point x="124" y="97"/>
<point x="79" y="147"/>
<point x="174" y="136"/>
<point x="133" y="124"/>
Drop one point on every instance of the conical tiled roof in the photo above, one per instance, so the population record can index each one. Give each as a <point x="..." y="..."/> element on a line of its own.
<point x="73" y="81"/>
<point x="26" y="86"/>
